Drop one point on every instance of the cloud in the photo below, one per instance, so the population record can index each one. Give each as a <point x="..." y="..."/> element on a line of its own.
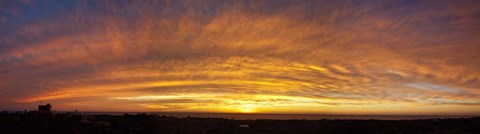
<point x="259" y="56"/>
<point x="428" y="86"/>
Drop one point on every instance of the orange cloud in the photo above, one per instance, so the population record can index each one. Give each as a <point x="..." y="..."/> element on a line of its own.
<point x="223" y="56"/>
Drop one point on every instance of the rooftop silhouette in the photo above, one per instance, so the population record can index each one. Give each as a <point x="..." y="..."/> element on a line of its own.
<point x="45" y="108"/>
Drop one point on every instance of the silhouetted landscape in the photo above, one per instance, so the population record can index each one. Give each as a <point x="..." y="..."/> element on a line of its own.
<point x="37" y="122"/>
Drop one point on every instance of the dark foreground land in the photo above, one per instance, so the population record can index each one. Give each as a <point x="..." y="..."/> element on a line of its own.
<point x="32" y="122"/>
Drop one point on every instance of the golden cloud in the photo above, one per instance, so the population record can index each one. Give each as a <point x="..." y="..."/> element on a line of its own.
<point x="265" y="56"/>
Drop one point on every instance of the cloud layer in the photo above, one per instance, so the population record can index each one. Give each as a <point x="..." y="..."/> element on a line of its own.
<point x="342" y="57"/>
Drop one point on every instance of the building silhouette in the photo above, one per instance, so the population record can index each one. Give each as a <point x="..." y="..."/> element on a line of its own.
<point x="45" y="108"/>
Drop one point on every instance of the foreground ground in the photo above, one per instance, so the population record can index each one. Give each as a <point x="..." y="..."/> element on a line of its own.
<point x="32" y="122"/>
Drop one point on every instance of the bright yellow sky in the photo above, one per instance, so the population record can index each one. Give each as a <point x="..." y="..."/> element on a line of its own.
<point x="324" y="57"/>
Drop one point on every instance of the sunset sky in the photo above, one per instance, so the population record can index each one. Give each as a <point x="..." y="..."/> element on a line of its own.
<point x="242" y="56"/>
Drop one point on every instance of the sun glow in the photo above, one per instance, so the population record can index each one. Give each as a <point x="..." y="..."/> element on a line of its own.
<point x="247" y="108"/>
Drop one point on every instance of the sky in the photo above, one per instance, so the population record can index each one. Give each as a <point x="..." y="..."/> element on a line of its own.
<point x="242" y="56"/>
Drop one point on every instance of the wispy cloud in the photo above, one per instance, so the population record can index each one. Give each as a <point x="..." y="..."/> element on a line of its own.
<point x="259" y="56"/>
